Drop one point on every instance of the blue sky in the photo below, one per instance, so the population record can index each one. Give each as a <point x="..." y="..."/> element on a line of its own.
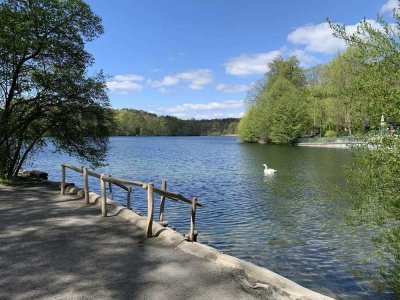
<point x="197" y="59"/>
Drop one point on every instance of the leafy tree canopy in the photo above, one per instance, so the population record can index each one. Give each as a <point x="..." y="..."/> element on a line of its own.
<point x="374" y="173"/>
<point x="46" y="94"/>
<point x="379" y="47"/>
<point x="278" y="111"/>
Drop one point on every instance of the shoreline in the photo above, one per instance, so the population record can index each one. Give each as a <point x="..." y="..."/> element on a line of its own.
<point x="257" y="277"/>
<point x="254" y="279"/>
<point x="329" y="145"/>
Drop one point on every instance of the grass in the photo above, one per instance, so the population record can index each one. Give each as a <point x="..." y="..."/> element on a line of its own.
<point x="10" y="182"/>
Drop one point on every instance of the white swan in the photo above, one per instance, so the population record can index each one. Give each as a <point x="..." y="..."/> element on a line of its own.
<point x="268" y="171"/>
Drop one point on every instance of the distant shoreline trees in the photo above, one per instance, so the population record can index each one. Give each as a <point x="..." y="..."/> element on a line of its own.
<point x="132" y="122"/>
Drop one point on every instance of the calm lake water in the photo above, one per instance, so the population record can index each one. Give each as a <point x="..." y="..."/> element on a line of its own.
<point x="291" y="222"/>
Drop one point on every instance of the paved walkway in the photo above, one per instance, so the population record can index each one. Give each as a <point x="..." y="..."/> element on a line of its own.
<point x="55" y="247"/>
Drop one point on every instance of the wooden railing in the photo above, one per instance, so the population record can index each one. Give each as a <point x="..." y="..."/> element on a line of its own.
<point x="126" y="185"/>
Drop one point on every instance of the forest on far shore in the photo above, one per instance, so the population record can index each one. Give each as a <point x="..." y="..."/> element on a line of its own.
<point x="132" y="122"/>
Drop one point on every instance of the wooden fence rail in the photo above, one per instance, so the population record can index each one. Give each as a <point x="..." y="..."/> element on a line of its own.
<point x="122" y="183"/>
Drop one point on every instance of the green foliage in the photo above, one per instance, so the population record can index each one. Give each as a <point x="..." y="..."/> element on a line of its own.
<point x="45" y="89"/>
<point x="346" y="107"/>
<point x="346" y="95"/>
<point x="374" y="181"/>
<point x="374" y="174"/>
<point x="279" y="112"/>
<point x="379" y="48"/>
<point x="317" y="100"/>
<point x="287" y="109"/>
<point x="9" y="182"/>
<point x="131" y="122"/>
<point x="289" y="69"/>
<point x="250" y="126"/>
<point x="330" y="133"/>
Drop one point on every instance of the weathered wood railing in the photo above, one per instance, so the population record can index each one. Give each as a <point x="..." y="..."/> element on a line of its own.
<point x="86" y="173"/>
<point x="122" y="183"/>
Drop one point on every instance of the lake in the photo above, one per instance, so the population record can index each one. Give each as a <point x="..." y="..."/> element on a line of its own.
<point x="291" y="223"/>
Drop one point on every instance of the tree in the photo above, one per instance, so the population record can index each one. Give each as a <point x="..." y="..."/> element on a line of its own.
<point x="374" y="173"/>
<point x="317" y="100"/>
<point x="46" y="94"/>
<point x="379" y="47"/>
<point x="250" y="126"/>
<point x="279" y="113"/>
<point x="288" y="109"/>
<point x="342" y="79"/>
<point x="374" y="182"/>
<point x="289" y="69"/>
<point x="255" y="91"/>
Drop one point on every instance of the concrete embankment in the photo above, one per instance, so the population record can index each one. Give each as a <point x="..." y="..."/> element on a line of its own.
<point x="56" y="247"/>
<point x="333" y="142"/>
<point x="328" y="145"/>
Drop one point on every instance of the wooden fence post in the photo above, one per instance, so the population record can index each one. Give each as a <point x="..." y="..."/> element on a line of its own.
<point x="150" y="209"/>
<point x="62" y="179"/>
<point x="86" y="184"/>
<point x="103" y="195"/>
<point x="162" y="200"/>
<point x="110" y="188"/>
<point x="192" y="236"/>
<point x="128" y="198"/>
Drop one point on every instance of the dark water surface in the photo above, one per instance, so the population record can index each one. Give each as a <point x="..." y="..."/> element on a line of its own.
<point x="291" y="223"/>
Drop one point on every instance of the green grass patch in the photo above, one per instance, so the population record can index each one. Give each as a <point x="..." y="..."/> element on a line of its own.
<point x="10" y="182"/>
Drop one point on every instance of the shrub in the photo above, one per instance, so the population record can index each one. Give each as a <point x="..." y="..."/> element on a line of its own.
<point x="330" y="133"/>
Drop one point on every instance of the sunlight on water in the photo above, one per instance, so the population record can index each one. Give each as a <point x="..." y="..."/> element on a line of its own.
<point x="291" y="222"/>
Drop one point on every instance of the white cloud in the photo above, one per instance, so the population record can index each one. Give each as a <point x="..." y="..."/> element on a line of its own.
<point x="238" y="88"/>
<point x="125" y="83"/>
<point x="166" y="81"/>
<point x="319" y="37"/>
<point x="196" y="79"/>
<point x="389" y="6"/>
<point x="211" y="110"/>
<point x="129" y="77"/>
<point x="229" y="104"/>
<point x="213" y="116"/>
<point x="209" y="115"/>
<point x="245" y="65"/>
<point x="124" y="86"/>
<point x="164" y="90"/>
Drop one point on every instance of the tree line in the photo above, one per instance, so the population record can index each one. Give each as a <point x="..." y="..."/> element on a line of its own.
<point x="346" y="96"/>
<point x="132" y="122"/>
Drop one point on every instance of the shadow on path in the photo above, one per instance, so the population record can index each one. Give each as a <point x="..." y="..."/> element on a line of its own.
<point x="54" y="246"/>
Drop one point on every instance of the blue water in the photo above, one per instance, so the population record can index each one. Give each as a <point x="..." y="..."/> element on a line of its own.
<point x="291" y="222"/>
